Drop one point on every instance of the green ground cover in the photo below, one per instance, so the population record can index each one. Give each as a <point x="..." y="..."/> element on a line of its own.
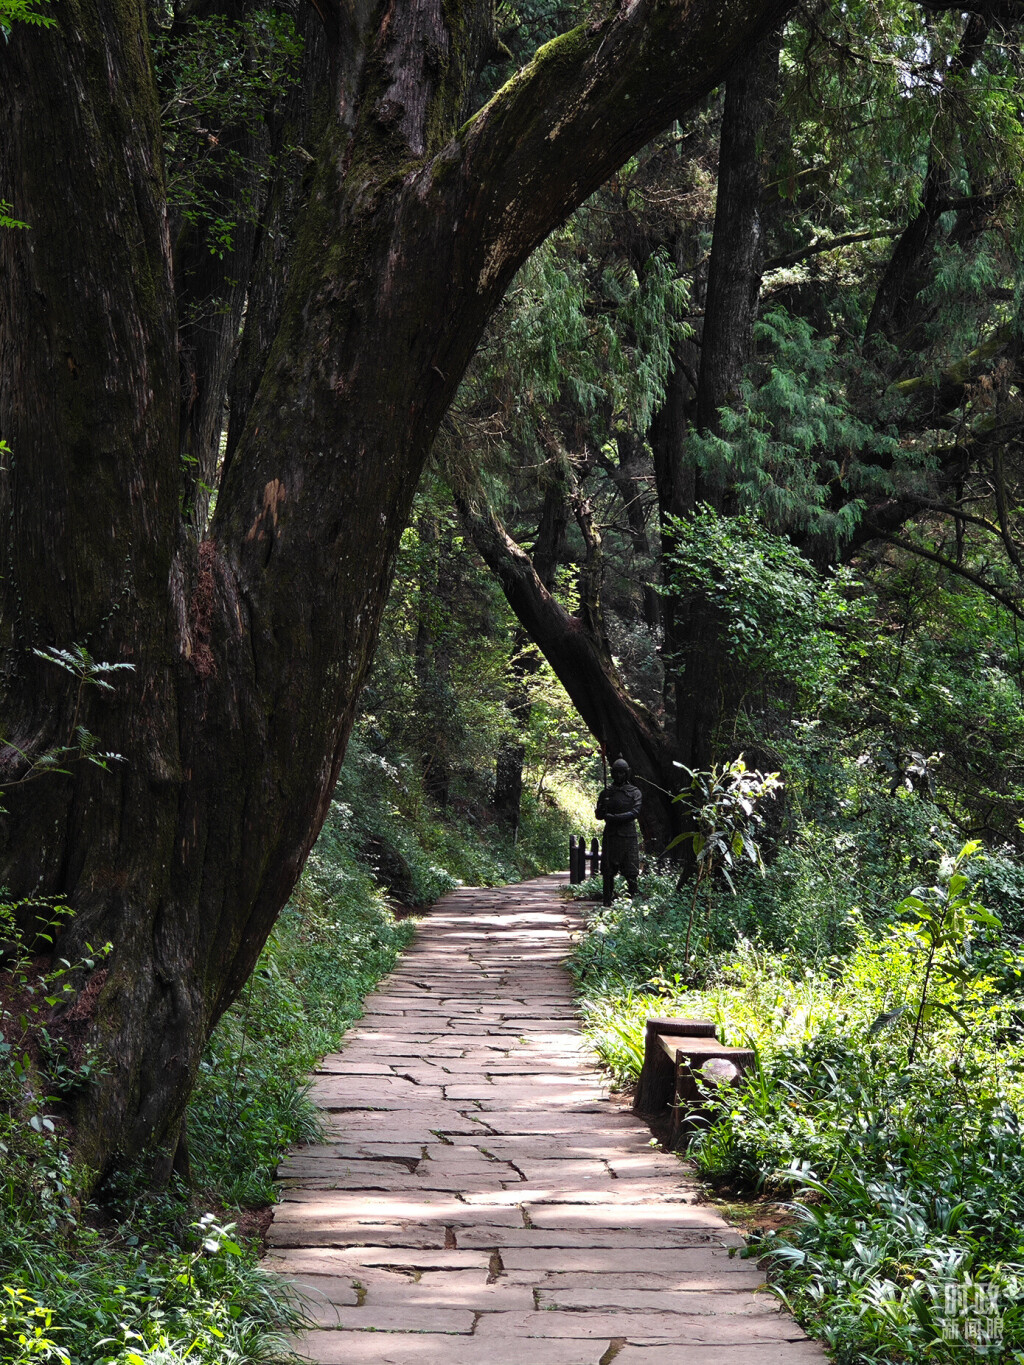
<point x="136" y="1278"/>
<point x="903" y="1179"/>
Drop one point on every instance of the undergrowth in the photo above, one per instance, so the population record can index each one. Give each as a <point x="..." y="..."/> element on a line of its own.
<point x="133" y="1278"/>
<point x="891" y="1132"/>
<point x="417" y="851"/>
<point x="139" y="1279"/>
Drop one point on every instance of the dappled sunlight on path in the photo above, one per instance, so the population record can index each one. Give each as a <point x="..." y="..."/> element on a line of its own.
<point x="480" y="1200"/>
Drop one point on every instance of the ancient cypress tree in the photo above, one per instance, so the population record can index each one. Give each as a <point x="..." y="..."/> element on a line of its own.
<point x="250" y="636"/>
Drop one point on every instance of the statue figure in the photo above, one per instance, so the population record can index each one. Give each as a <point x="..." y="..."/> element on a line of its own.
<point x="618" y="806"/>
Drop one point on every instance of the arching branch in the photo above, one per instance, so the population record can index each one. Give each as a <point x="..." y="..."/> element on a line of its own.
<point x="1004" y="599"/>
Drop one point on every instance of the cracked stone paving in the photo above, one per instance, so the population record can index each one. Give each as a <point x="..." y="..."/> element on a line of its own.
<point x="479" y="1198"/>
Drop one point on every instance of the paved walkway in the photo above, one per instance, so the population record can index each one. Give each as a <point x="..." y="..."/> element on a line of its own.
<point x="480" y="1201"/>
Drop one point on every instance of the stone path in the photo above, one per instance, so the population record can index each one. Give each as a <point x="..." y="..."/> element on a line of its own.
<point x="480" y="1201"/>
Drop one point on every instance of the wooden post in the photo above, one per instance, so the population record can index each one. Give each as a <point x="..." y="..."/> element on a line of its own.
<point x="573" y="870"/>
<point x="581" y="859"/>
<point x="595" y="857"/>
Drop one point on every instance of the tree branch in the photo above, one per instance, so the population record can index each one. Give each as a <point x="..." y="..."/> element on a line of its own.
<point x="816" y="247"/>
<point x="951" y="510"/>
<point x="583" y="666"/>
<point x="1003" y="598"/>
<point x="586" y="102"/>
<point x="949" y="384"/>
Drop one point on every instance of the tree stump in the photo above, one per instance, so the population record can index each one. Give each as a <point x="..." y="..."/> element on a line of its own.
<point x="657" y="1084"/>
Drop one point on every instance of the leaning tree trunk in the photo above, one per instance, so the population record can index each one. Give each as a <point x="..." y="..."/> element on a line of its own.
<point x="250" y="648"/>
<point x="582" y="662"/>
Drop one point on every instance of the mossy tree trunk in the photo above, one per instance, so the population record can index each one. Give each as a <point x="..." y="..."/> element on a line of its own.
<point x="249" y="648"/>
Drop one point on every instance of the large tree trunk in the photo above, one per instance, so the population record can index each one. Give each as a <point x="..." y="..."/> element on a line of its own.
<point x="703" y="686"/>
<point x="90" y="507"/>
<point x="249" y="649"/>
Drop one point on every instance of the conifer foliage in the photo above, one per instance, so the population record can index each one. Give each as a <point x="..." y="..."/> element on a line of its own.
<point x="796" y="315"/>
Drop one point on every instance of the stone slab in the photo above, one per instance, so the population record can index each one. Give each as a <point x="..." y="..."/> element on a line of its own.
<point x="438" y="1183"/>
<point x="403" y="1235"/>
<point x="480" y="1199"/>
<point x="667" y="1261"/>
<point x="539" y="1121"/>
<point x="459" y="1289"/>
<point x="711" y="1303"/>
<point x="419" y="1318"/>
<point x="636" y="1217"/>
<point x="308" y="1207"/>
<point x="362" y="1348"/>
<point x="335" y="1261"/>
<point x="399" y="1152"/>
<point x="320" y="1161"/>
<point x="732" y="1329"/>
<point x="340" y="1065"/>
<point x="763" y="1353"/>
<point x="608" y="1281"/>
<point x="651" y="1242"/>
<point x="564" y="1192"/>
<point x="408" y="1126"/>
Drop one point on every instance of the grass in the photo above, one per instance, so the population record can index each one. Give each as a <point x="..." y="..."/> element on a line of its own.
<point x="138" y="1279"/>
<point x="904" y="1181"/>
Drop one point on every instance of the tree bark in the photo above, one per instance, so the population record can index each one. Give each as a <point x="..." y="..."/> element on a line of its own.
<point x="275" y="243"/>
<point x="250" y="648"/>
<point x="737" y="249"/>
<point x="582" y="662"/>
<point x="89" y="405"/>
<point x="703" y="693"/>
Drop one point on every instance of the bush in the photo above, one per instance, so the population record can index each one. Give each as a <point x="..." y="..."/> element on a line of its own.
<point x="905" y="1178"/>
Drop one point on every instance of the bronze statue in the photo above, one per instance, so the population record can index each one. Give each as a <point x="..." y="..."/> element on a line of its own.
<point x="618" y="806"/>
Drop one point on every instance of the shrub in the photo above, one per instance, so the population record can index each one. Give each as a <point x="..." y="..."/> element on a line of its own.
<point x="904" y="1170"/>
